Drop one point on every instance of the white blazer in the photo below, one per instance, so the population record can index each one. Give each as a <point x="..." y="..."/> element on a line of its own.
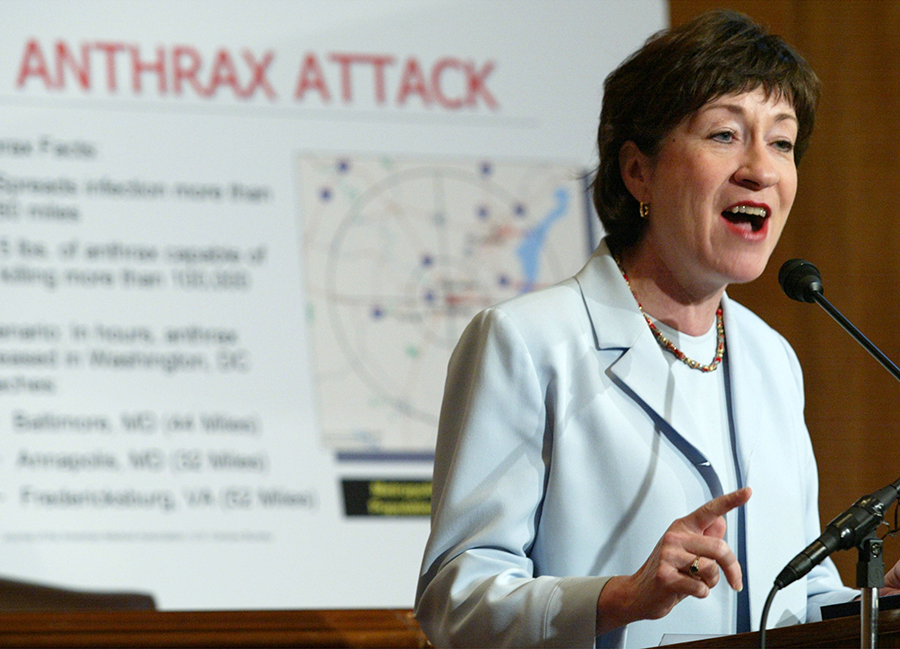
<point x="563" y="455"/>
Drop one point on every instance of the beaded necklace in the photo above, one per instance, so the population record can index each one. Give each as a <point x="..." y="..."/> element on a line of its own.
<point x="669" y="346"/>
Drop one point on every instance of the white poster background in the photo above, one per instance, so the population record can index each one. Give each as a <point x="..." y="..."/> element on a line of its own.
<point x="207" y="483"/>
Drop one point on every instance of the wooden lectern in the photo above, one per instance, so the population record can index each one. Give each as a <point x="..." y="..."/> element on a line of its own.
<point x="335" y="628"/>
<point x="125" y="629"/>
<point x="38" y="615"/>
<point x="842" y="632"/>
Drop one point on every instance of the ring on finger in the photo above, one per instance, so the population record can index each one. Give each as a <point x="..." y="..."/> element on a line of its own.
<point x="694" y="569"/>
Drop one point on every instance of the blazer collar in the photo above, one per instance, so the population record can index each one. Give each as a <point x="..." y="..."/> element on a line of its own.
<point x="618" y="324"/>
<point x="615" y="318"/>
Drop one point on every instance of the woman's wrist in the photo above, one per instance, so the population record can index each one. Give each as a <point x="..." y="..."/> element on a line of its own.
<point x="615" y="606"/>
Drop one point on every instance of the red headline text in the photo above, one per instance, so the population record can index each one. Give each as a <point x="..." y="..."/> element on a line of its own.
<point x="333" y="78"/>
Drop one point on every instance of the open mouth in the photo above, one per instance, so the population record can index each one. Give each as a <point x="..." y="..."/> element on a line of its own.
<point x="751" y="215"/>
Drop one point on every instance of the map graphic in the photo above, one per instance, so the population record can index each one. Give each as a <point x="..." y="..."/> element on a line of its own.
<point x="399" y="255"/>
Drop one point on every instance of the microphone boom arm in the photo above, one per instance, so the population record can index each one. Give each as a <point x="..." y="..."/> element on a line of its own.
<point x="848" y="326"/>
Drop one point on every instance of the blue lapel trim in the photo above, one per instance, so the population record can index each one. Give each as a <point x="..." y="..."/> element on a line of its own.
<point x="743" y="597"/>
<point x="694" y="456"/>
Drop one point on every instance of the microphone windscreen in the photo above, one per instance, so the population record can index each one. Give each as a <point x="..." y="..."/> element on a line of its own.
<point x="800" y="280"/>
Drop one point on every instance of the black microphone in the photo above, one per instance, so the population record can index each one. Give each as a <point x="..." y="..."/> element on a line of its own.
<point x="846" y="531"/>
<point x="801" y="281"/>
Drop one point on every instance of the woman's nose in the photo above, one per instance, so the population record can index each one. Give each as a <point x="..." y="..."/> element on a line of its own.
<point x="758" y="170"/>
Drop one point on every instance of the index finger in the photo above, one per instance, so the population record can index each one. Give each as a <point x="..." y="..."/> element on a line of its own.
<point x="708" y="513"/>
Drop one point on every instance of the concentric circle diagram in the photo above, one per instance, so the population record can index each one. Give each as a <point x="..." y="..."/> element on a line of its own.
<point x="399" y="257"/>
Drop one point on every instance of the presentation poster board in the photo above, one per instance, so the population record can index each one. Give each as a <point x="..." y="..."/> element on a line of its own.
<point x="239" y="241"/>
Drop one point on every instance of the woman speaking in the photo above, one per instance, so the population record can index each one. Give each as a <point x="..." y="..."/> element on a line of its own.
<point x="600" y="439"/>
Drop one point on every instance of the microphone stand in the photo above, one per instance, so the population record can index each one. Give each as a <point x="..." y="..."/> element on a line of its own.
<point x="869" y="578"/>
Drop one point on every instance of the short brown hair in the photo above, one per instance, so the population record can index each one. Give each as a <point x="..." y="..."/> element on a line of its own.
<point x="675" y="73"/>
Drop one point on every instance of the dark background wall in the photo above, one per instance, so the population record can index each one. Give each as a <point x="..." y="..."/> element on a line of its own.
<point x="846" y="221"/>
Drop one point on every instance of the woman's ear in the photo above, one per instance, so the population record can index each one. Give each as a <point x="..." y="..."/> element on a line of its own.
<point x="636" y="171"/>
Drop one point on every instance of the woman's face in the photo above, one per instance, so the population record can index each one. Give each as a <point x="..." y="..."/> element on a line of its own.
<point x="720" y="190"/>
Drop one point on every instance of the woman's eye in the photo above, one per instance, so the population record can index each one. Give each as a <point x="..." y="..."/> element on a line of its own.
<point x="784" y="145"/>
<point x="723" y="136"/>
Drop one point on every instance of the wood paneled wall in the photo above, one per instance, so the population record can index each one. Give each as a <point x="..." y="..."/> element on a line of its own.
<point x="846" y="220"/>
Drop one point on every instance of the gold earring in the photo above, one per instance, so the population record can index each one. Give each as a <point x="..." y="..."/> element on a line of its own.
<point x="644" y="210"/>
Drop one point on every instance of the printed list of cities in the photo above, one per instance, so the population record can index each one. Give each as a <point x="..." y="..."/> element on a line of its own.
<point x="133" y="343"/>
